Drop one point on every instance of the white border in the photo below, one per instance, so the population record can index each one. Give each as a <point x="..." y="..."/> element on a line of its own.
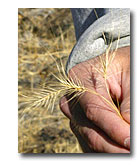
<point x="8" y="86"/>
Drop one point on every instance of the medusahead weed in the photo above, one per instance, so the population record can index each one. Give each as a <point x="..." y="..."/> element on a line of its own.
<point x="66" y="85"/>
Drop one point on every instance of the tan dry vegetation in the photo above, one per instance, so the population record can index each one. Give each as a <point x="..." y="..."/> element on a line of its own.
<point x="41" y="33"/>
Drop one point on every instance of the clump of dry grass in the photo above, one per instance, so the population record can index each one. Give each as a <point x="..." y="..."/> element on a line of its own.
<point x="41" y="33"/>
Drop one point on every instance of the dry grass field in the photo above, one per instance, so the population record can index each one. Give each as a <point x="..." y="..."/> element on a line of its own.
<point x="43" y="33"/>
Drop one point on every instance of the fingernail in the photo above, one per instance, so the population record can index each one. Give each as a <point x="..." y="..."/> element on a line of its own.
<point x="127" y="142"/>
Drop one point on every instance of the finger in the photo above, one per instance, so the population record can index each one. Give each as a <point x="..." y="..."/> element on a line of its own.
<point x="64" y="106"/>
<point x="80" y="118"/>
<point x="84" y="145"/>
<point x="94" y="140"/>
<point x="125" y="105"/>
<point x="104" y="117"/>
<point x="125" y="109"/>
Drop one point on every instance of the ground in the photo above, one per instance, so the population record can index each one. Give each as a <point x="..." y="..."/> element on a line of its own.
<point x="41" y="33"/>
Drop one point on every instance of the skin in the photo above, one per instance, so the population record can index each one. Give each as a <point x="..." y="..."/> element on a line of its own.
<point x="95" y="123"/>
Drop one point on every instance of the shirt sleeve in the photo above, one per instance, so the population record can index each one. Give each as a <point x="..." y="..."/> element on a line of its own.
<point x="95" y="29"/>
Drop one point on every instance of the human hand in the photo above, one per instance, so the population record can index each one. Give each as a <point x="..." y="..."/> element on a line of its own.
<point x="101" y="129"/>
